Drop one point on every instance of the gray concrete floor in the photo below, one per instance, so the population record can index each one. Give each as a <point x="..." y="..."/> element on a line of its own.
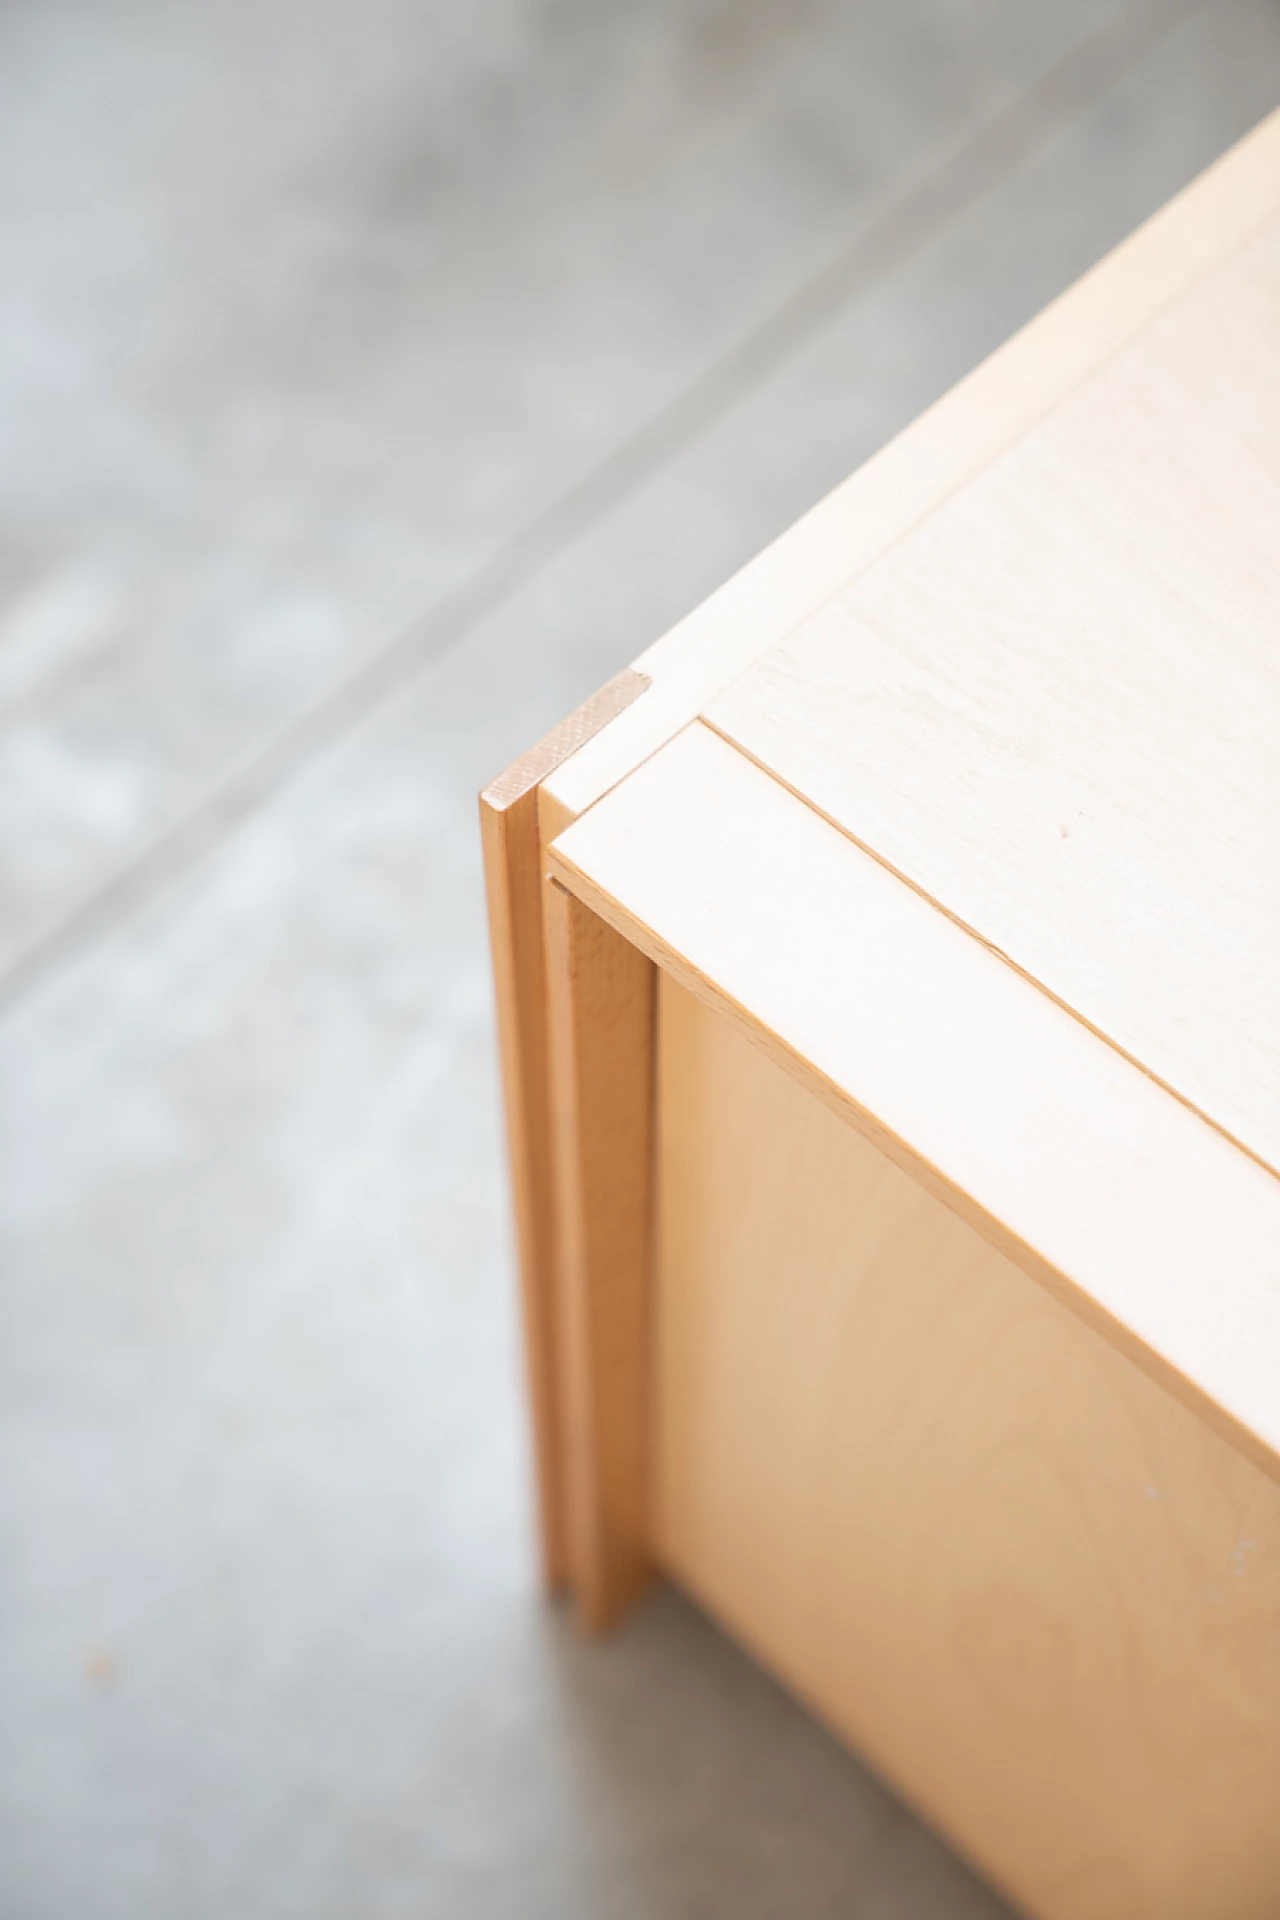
<point x="374" y="381"/>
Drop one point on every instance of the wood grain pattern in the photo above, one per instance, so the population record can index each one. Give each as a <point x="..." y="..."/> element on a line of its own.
<point x="1143" y="1218"/>
<point x="602" y="1039"/>
<point x="842" y="536"/>
<point x="1055" y="707"/>
<point x="1030" y="1587"/>
<point x="1075" y="336"/>
<point x="954" y="1392"/>
<point x="513" y="867"/>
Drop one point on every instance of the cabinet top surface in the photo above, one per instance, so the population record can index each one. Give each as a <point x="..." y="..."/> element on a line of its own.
<point x="1054" y="706"/>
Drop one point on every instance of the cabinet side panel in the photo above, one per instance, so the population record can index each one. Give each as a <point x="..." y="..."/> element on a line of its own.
<point x="1030" y="1587"/>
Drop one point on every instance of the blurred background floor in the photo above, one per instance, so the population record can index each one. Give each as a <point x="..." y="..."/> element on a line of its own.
<point x="374" y="382"/>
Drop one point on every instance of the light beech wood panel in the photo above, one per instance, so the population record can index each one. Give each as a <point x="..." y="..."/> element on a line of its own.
<point x="1055" y="707"/>
<point x="602" y="1046"/>
<point x="1073" y="337"/>
<point x="513" y="871"/>
<point x="614" y="732"/>
<point x="1034" y="1590"/>
<point x="1146" y="1220"/>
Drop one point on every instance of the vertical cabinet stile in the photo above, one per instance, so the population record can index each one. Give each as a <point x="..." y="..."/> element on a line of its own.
<point x="601" y="1002"/>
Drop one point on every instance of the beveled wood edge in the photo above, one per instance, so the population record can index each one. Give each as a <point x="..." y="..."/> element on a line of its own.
<point x="563" y="740"/>
<point x="513" y="870"/>
<point x="690" y="859"/>
<point x="964" y="431"/>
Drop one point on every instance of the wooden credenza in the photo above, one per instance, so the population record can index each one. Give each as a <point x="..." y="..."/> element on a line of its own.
<point x="888" y="971"/>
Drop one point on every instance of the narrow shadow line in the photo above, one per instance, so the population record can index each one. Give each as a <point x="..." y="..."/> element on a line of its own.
<point x="910" y="217"/>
